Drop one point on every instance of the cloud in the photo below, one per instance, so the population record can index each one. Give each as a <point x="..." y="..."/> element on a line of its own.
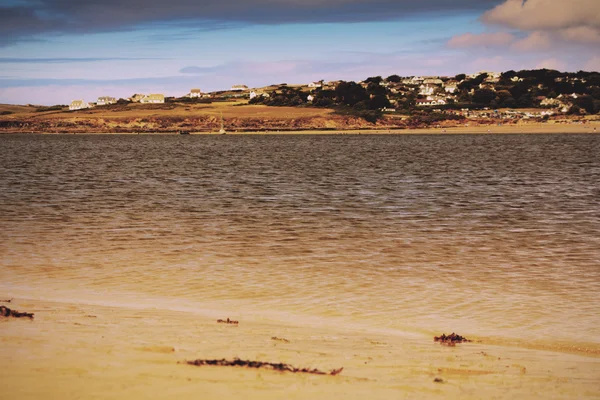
<point x="582" y="34"/>
<point x="537" y="26"/>
<point x="499" y="39"/>
<point x="531" y="15"/>
<point x="536" y="41"/>
<point x="571" y="21"/>
<point x="29" y="19"/>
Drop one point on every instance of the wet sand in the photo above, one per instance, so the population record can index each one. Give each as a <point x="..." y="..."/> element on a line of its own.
<point x="533" y="128"/>
<point x="90" y="351"/>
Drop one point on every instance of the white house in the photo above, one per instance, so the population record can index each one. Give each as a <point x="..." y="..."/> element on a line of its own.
<point x="105" y="100"/>
<point x="239" y="88"/>
<point x="426" y="90"/>
<point x="78" y="105"/>
<point x="315" y="84"/>
<point x="451" y="87"/>
<point x="153" y="98"/>
<point x="415" y="80"/>
<point x="431" y="102"/>
<point x="254" y="94"/>
<point x="548" y="102"/>
<point x="195" y="93"/>
<point x="136" y="98"/>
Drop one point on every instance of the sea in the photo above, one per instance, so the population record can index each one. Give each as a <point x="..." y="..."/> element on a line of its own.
<point x="485" y="235"/>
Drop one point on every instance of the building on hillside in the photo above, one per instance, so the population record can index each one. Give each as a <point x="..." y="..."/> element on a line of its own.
<point x="548" y="102"/>
<point x="331" y="85"/>
<point x="254" y="94"/>
<point x="239" y="88"/>
<point x="315" y="84"/>
<point x="136" y="98"/>
<point x="155" y="98"/>
<point x="105" y="100"/>
<point x="487" y="86"/>
<point x="78" y="105"/>
<point x="433" y="81"/>
<point x="451" y="87"/>
<point x="194" y="93"/>
<point x="426" y="90"/>
<point x="430" y="101"/>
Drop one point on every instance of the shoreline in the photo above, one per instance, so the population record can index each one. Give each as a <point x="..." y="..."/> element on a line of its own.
<point x="94" y="351"/>
<point x="591" y="127"/>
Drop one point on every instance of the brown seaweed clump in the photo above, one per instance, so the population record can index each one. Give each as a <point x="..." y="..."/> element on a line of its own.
<point x="227" y="321"/>
<point x="236" y="362"/>
<point x="7" y="312"/>
<point x="450" y="340"/>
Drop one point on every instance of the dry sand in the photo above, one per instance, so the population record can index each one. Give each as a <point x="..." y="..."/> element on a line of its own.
<point x="96" y="352"/>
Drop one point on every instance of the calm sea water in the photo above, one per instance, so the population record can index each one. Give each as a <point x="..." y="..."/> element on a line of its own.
<point x="487" y="235"/>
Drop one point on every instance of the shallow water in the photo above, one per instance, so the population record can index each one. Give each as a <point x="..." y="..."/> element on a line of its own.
<point x="486" y="235"/>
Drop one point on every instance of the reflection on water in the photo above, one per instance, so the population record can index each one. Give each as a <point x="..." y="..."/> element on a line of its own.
<point x="482" y="234"/>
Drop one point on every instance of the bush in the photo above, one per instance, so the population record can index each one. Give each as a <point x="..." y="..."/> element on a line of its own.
<point x="51" y="108"/>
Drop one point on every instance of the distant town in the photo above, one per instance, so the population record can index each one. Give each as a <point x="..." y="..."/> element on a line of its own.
<point x="549" y="92"/>
<point x="490" y="100"/>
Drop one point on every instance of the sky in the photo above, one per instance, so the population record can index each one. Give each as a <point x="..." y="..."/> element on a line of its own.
<point x="55" y="51"/>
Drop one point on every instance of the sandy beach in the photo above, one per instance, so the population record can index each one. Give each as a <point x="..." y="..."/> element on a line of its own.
<point x="591" y="127"/>
<point x="90" y="351"/>
<point x="331" y="252"/>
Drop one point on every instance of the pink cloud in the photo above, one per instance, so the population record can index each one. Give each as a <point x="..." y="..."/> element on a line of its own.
<point x="582" y="34"/>
<point x="498" y="39"/>
<point x="529" y="15"/>
<point x="552" y="63"/>
<point x="536" y="41"/>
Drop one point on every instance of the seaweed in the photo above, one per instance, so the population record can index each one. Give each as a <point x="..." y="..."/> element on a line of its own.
<point x="6" y="301"/>
<point x="227" y="321"/>
<point x="7" y="312"/>
<point x="236" y="362"/>
<point x="280" y="339"/>
<point x="450" y="340"/>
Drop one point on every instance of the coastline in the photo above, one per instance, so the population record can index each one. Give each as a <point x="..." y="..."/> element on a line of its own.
<point x="94" y="351"/>
<point x="532" y="128"/>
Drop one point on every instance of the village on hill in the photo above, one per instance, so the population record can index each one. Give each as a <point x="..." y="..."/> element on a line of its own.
<point x="395" y="102"/>
<point x="550" y="92"/>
